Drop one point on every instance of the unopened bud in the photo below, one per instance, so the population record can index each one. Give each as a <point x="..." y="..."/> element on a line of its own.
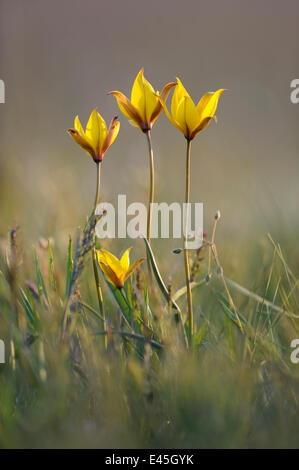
<point x="177" y="251"/>
<point x="217" y="215"/>
<point x="208" y="278"/>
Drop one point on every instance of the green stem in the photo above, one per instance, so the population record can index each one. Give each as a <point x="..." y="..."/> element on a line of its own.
<point x="64" y="320"/>
<point x="98" y="285"/>
<point x="152" y="190"/>
<point x="97" y="196"/>
<point x="186" y="257"/>
<point x="93" y="254"/>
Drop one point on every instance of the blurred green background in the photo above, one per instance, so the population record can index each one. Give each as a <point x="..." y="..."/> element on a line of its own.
<point x="60" y="58"/>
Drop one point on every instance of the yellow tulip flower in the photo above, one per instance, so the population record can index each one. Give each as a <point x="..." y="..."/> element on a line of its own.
<point x="187" y="117"/>
<point x="97" y="138"/>
<point x="117" y="271"/>
<point x="145" y="106"/>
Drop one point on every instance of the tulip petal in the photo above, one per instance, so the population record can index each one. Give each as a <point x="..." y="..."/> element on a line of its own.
<point x="192" y="115"/>
<point x="138" y="95"/>
<point x="108" y="258"/>
<point x="96" y="130"/>
<point x="163" y="95"/>
<point x="166" y="90"/>
<point x="179" y="92"/>
<point x="78" y="126"/>
<point x="120" y="98"/>
<point x="100" y="256"/>
<point x="203" y="124"/>
<point x="125" y="260"/>
<point x="111" y="136"/>
<point x="143" y="97"/>
<point x="151" y="99"/>
<point x="180" y="116"/>
<point x="110" y="275"/>
<point x="128" y="109"/>
<point x="133" y="267"/>
<point x="103" y="132"/>
<point x="83" y="142"/>
<point x="173" y="121"/>
<point x="208" y="104"/>
<point x="181" y="89"/>
<point x="92" y="129"/>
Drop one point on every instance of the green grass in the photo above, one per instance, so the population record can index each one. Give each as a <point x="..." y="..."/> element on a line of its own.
<point x="139" y="386"/>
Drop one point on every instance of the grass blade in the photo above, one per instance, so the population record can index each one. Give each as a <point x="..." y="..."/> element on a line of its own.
<point x="41" y="287"/>
<point x="69" y="268"/>
<point x="51" y="263"/>
<point x="31" y="313"/>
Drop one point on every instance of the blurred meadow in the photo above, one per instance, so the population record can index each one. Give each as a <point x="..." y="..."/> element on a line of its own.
<point x="236" y="385"/>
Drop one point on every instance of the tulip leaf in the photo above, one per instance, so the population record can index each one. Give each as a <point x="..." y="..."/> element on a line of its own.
<point x="123" y="303"/>
<point x="183" y="290"/>
<point x="163" y="288"/>
<point x="158" y="276"/>
<point x="41" y="286"/>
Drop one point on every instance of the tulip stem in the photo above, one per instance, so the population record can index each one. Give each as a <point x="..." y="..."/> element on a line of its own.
<point x="186" y="257"/>
<point x="94" y="256"/>
<point x="152" y="190"/>
<point x="97" y="197"/>
<point x="152" y="185"/>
